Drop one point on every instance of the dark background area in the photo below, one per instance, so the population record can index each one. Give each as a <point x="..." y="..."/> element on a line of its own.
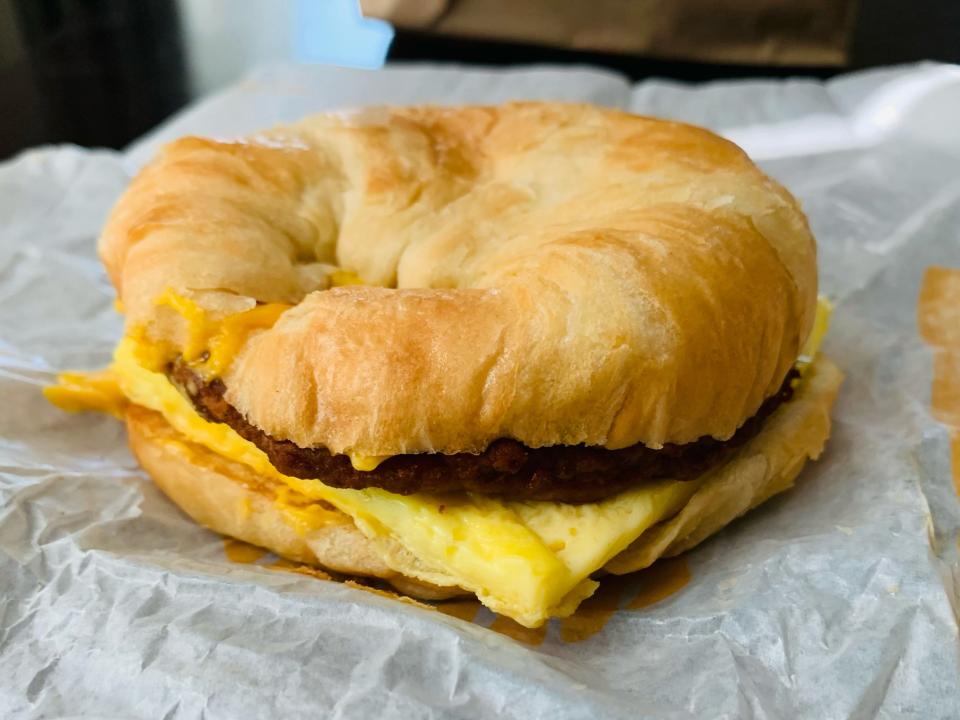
<point x="102" y="72"/>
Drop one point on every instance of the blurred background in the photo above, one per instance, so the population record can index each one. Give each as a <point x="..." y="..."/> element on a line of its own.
<point x="102" y="72"/>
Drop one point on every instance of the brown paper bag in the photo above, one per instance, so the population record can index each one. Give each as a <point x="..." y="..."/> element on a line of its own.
<point x="761" y="32"/>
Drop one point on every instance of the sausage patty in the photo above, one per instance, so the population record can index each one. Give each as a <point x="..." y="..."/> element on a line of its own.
<point x="564" y="473"/>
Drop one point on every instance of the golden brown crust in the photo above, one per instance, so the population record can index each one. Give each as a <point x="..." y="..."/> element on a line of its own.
<point x="559" y="274"/>
<point x="231" y="499"/>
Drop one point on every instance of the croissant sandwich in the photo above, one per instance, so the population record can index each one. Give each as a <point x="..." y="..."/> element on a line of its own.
<point x="495" y="351"/>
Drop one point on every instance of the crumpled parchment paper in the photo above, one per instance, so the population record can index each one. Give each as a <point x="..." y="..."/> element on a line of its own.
<point x="835" y="600"/>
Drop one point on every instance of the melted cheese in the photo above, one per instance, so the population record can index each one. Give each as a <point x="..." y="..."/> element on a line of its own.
<point x="366" y="463"/>
<point x="80" y="391"/>
<point x="211" y="346"/>
<point x="821" y="323"/>
<point x="341" y="278"/>
<point x="199" y="330"/>
<point x="232" y="333"/>
<point x="526" y="560"/>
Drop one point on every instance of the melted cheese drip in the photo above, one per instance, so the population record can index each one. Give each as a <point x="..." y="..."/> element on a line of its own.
<point x="211" y="346"/>
<point x="81" y="391"/>
<point x="342" y="278"/>
<point x="526" y="560"/>
<point x="821" y="323"/>
<point x="199" y="330"/>
<point x="232" y="334"/>
<point x="366" y="463"/>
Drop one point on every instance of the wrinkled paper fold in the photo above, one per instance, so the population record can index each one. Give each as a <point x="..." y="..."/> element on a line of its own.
<point x="837" y="599"/>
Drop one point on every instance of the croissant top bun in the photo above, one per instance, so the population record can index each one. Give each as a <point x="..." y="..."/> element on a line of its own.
<point x="553" y="273"/>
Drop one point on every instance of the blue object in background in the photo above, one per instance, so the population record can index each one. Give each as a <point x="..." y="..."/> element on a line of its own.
<point x="335" y="32"/>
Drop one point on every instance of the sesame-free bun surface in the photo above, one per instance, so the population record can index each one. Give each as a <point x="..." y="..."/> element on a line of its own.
<point x="553" y="273"/>
<point x="229" y="498"/>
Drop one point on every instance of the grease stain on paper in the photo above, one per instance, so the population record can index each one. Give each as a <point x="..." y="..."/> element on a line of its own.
<point x="462" y="609"/>
<point x="238" y="551"/>
<point x="512" y="629"/>
<point x="660" y="581"/>
<point x="938" y="319"/>
<point x="594" y="612"/>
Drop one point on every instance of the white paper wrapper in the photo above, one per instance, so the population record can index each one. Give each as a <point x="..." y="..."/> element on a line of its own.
<point x="835" y="600"/>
